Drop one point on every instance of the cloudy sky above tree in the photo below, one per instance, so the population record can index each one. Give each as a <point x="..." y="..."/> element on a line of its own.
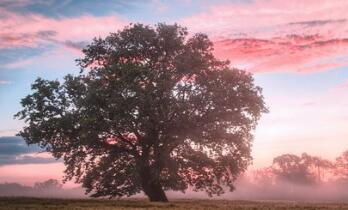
<point x="298" y="51"/>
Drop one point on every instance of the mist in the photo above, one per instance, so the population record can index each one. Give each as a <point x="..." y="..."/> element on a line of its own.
<point x="289" y="178"/>
<point x="245" y="190"/>
<point x="329" y="191"/>
<point x="282" y="191"/>
<point x="48" y="191"/>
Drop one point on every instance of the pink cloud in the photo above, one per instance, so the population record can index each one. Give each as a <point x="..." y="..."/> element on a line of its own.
<point x="31" y="30"/>
<point x="276" y="35"/>
<point x="289" y="53"/>
<point x="31" y="173"/>
<point x="260" y="36"/>
<point x="62" y="57"/>
<point x="264" y="14"/>
<point x="342" y="87"/>
<point x="5" y="82"/>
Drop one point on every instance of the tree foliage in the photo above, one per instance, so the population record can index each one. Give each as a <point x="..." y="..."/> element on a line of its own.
<point x="341" y="166"/>
<point x="48" y="185"/>
<point x="151" y="110"/>
<point x="304" y="169"/>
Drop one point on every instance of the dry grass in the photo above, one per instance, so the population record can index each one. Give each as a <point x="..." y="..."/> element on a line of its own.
<point x="13" y="203"/>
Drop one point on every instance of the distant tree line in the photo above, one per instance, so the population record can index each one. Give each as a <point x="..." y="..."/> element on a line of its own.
<point x="296" y="177"/>
<point x="48" y="188"/>
<point x="304" y="169"/>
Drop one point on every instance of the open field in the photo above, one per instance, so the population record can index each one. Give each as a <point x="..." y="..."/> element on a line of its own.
<point x="64" y="204"/>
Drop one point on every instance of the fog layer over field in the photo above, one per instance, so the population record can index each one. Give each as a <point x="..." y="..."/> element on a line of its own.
<point x="281" y="191"/>
<point x="245" y="190"/>
<point x="290" y="177"/>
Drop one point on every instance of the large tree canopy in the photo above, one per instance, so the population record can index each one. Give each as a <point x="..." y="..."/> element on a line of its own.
<point x="151" y="110"/>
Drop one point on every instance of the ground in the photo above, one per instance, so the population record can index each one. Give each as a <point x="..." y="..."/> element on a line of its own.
<point x="13" y="203"/>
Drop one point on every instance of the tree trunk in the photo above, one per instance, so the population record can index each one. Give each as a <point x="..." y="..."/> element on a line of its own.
<point x="152" y="187"/>
<point x="155" y="192"/>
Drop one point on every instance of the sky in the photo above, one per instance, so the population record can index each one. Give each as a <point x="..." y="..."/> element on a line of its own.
<point x="297" y="51"/>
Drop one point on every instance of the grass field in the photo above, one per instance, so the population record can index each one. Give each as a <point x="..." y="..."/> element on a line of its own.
<point x="12" y="203"/>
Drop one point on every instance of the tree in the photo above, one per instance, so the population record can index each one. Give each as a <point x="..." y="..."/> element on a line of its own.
<point x="292" y="168"/>
<point x="341" y="166"/>
<point x="151" y="110"/>
<point x="264" y="177"/>
<point x="318" y="166"/>
<point x="304" y="169"/>
<point x="48" y="185"/>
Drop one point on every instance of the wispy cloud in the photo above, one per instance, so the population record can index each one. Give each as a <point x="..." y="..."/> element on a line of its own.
<point x="33" y="30"/>
<point x="318" y="22"/>
<point x="291" y="53"/>
<point x="75" y="45"/>
<point x="10" y="40"/>
<point x="31" y="35"/>
<point x="343" y="86"/>
<point x="5" y="82"/>
<point x="13" y="150"/>
<point x="159" y="5"/>
<point x="276" y="35"/>
<point x="15" y="3"/>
